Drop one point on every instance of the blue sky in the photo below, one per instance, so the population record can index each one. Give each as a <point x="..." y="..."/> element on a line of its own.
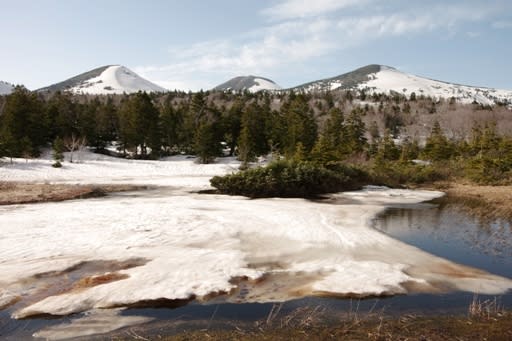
<point x="196" y="44"/>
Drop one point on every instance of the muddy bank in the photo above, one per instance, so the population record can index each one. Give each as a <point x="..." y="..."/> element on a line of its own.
<point x="484" y="321"/>
<point x="15" y="193"/>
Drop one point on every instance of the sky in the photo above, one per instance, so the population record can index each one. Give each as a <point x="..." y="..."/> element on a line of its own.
<point x="192" y="44"/>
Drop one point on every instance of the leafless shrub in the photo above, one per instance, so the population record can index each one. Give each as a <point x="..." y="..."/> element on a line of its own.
<point x="486" y="309"/>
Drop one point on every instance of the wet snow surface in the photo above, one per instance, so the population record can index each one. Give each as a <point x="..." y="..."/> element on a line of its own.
<point x="171" y="243"/>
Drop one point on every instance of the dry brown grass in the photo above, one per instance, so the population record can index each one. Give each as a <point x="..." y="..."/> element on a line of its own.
<point x="485" y="309"/>
<point x="484" y="202"/>
<point x="310" y="324"/>
<point x="490" y="202"/>
<point x="92" y="281"/>
<point x="13" y="193"/>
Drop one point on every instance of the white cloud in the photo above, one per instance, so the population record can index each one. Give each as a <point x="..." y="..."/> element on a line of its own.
<point x="291" y="9"/>
<point x="290" y="44"/>
<point x="270" y="48"/>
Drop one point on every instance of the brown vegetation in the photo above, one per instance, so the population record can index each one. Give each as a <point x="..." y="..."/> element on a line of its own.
<point x="485" y="202"/>
<point x="13" y="193"/>
<point x="92" y="281"/>
<point x="315" y="323"/>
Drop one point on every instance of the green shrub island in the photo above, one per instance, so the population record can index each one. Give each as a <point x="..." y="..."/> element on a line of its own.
<point x="289" y="178"/>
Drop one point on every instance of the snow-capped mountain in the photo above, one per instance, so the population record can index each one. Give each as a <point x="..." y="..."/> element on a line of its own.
<point x="5" y="88"/>
<point x="250" y="83"/>
<point x="385" y="79"/>
<point x="105" y="80"/>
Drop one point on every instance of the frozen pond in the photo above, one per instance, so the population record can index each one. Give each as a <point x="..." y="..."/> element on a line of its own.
<point x="87" y="260"/>
<point x="442" y="231"/>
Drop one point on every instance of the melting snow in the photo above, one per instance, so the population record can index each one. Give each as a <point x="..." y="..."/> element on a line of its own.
<point x="196" y="244"/>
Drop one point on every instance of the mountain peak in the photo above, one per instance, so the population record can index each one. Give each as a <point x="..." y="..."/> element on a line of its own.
<point x="376" y="78"/>
<point x="104" y="80"/>
<point x="250" y="83"/>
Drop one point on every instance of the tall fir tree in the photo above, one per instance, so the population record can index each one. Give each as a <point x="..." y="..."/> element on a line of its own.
<point x="437" y="146"/>
<point x="22" y="118"/>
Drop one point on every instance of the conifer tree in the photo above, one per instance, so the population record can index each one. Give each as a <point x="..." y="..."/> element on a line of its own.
<point x="8" y="145"/>
<point x="437" y="146"/>
<point x="58" y="150"/>
<point x="107" y="124"/>
<point x="171" y="123"/>
<point x="387" y="149"/>
<point x="139" y="124"/>
<point x="207" y="144"/>
<point x="22" y="118"/>
<point x="354" y="139"/>
<point x="301" y="125"/>
<point x="232" y="125"/>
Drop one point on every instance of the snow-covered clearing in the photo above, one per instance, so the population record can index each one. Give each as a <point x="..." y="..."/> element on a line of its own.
<point x="193" y="245"/>
<point x="90" y="168"/>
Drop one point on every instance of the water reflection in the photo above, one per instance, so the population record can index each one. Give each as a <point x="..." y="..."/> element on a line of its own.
<point x="449" y="233"/>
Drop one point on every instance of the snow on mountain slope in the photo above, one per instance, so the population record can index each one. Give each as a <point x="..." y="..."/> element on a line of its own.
<point x="385" y="79"/>
<point x="250" y="83"/>
<point x="5" y="88"/>
<point x="389" y="79"/>
<point x="111" y="79"/>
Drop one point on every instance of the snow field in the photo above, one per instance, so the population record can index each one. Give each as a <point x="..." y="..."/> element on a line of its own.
<point x="196" y="244"/>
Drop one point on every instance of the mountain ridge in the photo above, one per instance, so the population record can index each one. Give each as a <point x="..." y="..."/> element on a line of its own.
<point x="372" y="78"/>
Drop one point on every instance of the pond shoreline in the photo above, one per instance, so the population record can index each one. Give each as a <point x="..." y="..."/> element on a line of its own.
<point x="483" y="320"/>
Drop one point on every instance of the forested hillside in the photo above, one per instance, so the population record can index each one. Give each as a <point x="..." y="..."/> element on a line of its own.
<point x="322" y="127"/>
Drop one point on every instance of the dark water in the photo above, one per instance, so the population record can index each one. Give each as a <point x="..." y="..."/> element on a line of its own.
<point x="438" y="229"/>
<point x="441" y="230"/>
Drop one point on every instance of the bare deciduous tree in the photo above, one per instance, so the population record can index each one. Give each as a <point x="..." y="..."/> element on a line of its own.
<point x="73" y="144"/>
